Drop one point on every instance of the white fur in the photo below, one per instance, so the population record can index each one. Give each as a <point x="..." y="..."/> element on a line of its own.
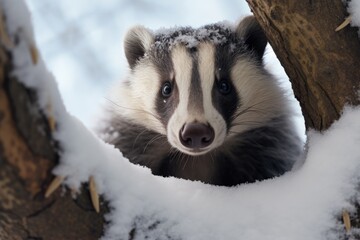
<point x="182" y="63"/>
<point x="137" y="101"/>
<point x="140" y="32"/>
<point x="183" y="66"/>
<point x="258" y="91"/>
<point x="207" y="76"/>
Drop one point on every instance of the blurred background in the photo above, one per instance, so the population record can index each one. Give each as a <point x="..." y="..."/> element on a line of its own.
<point x="82" y="41"/>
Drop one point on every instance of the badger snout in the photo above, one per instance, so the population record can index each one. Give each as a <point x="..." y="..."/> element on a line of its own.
<point x="196" y="135"/>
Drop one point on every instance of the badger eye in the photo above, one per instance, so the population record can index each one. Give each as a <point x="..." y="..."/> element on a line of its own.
<point x="224" y="87"/>
<point x="166" y="89"/>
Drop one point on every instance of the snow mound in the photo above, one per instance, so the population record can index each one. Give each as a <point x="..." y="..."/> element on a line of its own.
<point x="354" y="10"/>
<point x="302" y="204"/>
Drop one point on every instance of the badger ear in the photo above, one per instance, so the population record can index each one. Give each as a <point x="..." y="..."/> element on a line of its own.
<point x="253" y="35"/>
<point x="137" y="41"/>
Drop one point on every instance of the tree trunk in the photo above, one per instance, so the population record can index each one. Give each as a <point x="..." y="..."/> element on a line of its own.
<point x="27" y="155"/>
<point x="323" y="65"/>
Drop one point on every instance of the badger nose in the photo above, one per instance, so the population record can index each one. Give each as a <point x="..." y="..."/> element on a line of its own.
<point x="196" y="135"/>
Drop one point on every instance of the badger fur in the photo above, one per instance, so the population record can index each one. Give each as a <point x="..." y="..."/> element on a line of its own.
<point x="198" y="104"/>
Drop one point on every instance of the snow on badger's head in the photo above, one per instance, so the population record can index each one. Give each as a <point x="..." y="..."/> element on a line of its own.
<point x="199" y="87"/>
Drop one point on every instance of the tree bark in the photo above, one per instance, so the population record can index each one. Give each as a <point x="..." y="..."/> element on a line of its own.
<point x="323" y="65"/>
<point x="27" y="155"/>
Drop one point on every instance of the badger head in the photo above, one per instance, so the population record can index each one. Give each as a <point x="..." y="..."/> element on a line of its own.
<point x="199" y="87"/>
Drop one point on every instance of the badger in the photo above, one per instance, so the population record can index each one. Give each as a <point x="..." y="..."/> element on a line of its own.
<point x="198" y="104"/>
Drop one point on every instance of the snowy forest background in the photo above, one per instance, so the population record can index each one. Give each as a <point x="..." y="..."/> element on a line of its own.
<point x="82" y="41"/>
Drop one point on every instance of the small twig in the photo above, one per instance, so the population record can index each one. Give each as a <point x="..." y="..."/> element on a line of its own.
<point x="54" y="185"/>
<point x="94" y="195"/>
<point x="50" y="118"/>
<point x="343" y="24"/>
<point x="346" y="219"/>
<point x="34" y="54"/>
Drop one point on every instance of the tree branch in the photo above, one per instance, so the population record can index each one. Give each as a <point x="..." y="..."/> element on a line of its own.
<point x="27" y="155"/>
<point x="322" y="64"/>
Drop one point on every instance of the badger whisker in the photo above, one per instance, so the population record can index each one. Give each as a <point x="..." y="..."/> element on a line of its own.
<point x="152" y="140"/>
<point x="133" y="109"/>
<point x="251" y="108"/>
<point x="187" y="159"/>
<point x="245" y="123"/>
<point x="137" y="137"/>
<point x="212" y="158"/>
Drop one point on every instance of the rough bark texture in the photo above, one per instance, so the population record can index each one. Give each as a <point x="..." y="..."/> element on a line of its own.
<point x="27" y="155"/>
<point x="323" y="65"/>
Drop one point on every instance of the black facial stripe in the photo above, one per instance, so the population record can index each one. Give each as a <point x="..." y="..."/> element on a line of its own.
<point x="165" y="106"/>
<point x="225" y="104"/>
<point x="195" y="103"/>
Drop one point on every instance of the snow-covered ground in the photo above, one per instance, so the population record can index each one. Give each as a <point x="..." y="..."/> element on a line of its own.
<point x="302" y="204"/>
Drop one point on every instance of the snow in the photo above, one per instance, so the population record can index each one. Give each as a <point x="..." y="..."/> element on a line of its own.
<point x="354" y="11"/>
<point x="216" y="33"/>
<point x="303" y="204"/>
